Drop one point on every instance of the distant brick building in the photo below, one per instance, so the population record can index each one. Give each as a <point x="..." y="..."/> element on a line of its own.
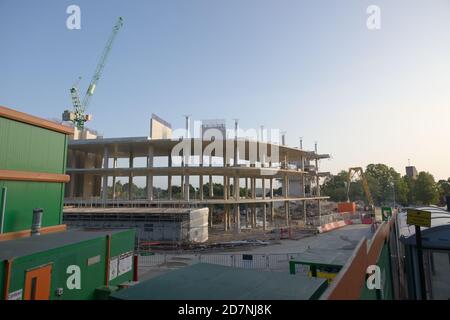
<point x="411" y="172"/>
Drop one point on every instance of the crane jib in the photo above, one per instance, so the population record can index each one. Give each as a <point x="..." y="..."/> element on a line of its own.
<point x="78" y="116"/>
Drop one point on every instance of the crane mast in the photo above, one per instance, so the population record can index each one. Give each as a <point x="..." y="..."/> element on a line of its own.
<point x="365" y="184"/>
<point x="78" y="116"/>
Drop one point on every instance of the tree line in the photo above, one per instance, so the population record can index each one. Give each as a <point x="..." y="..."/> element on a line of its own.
<point x="121" y="191"/>
<point x="387" y="185"/>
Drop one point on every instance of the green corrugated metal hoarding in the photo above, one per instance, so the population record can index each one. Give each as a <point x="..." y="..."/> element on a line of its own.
<point x="29" y="148"/>
<point x="56" y="265"/>
<point x="89" y="256"/>
<point x="23" y="197"/>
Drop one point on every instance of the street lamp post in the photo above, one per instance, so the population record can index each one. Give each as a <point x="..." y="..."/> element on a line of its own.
<point x="393" y="192"/>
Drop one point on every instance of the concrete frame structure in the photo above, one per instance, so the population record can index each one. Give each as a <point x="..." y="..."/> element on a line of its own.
<point x="88" y="166"/>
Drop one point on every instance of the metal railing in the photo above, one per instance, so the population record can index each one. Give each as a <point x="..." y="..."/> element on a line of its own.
<point x="268" y="262"/>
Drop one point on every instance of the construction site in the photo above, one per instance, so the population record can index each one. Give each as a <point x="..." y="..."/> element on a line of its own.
<point x="212" y="210"/>
<point x="256" y="184"/>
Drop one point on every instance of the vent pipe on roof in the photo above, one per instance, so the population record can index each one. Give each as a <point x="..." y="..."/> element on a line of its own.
<point x="235" y="148"/>
<point x="236" y="128"/>
<point x="283" y="138"/>
<point x="37" y="222"/>
<point x="188" y="127"/>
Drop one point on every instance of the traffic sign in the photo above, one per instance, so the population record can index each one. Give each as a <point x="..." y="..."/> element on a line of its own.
<point x="418" y="218"/>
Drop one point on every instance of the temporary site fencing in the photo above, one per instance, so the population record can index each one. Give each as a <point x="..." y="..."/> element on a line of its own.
<point x="268" y="262"/>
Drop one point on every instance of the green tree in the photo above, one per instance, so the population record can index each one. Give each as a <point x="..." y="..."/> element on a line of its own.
<point x="402" y="191"/>
<point x="444" y="190"/>
<point x="335" y="186"/>
<point x="425" y="189"/>
<point x="381" y="179"/>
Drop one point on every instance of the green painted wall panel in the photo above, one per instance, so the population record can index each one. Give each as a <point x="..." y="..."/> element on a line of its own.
<point x="120" y="243"/>
<point x="61" y="258"/>
<point x="24" y="147"/>
<point x="28" y="148"/>
<point x="92" y="276"/>
<point x="23" y="197"/>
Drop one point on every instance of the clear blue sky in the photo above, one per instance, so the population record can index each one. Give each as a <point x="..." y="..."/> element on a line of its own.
<point x="311" y="68"/>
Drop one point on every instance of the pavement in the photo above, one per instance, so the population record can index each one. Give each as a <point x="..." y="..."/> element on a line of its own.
<point x="345" y="238"/>
<point x="333" y="247"/>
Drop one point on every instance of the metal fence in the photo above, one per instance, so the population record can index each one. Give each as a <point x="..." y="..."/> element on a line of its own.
<point x="269" y="262"/>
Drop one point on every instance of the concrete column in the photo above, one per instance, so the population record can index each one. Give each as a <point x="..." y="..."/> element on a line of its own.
<point x="253" y="187"/>
<point x="235" y="151"/>
<point x="182" y="186"/>
<point x="303" y="186"/>
<point x="286" y="186"/>
<point x="130" y="178"/>
<point x="200" y="178"/>
<point x="169" y="186"/>
<point x="225" y="187"/>
<point x="253" y="216"/>
<point x="224" y="152"/>
<point x="211" y="188"/>
<point x="229" y="216"/>
<point x="319" y="208"/>
<point x="236" y="188"/>
<point x="302" y="167"/>
<point x="114" y="180"/>
<point x="246" y="188"/>
<point x="87" y="189"/>
<point x="246" y="216"/>
<point x="105" y="177"/>
<point x="225" y="217"/>
<point x="150" y="175"/>
<point x="237" y="218"/>
<point x="286" y="210"/>
<point x="272" y="212"/>
<point x="264" y="216"/>
<point x="271" y="188"/>
<point x="318" y="186"/>
<point x="318" y="189"/>
<point x="263" y="185"/>
<point x="186" y="188"/>
<point x="211" y="215"/>
<point x="304" y="211"/>
<point x="186" y="159"/>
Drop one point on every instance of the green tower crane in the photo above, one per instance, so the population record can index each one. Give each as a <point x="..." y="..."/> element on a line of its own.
<point x="78" y="115"/>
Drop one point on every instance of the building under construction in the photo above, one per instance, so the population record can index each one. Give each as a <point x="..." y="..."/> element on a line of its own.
<point x="235" y="177"/>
